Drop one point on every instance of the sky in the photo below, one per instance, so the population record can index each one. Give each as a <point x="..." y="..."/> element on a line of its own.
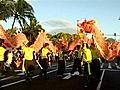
<point x="62" y="15"/>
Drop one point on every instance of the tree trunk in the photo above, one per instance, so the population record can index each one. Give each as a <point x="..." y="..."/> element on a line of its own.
<point x="21" y="25"/>
<point x="13" y="22"/>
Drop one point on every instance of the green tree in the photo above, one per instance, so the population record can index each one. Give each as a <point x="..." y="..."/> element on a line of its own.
<point x="53" y="38"/>
<point x="110" y="39"/>
<point x="61" y="35"/>
<point x="6" y="9"/>
<point x="32" y="30"/>
<point x="22" y="11"/>
<point x="12" y="31"/>
<point x="49" y="35"/>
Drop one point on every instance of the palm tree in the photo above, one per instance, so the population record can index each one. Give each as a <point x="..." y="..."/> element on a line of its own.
<point x="6" y="9"/>
<point x="11" y="31"/>
<point x="22" y="10"/>
<point x="32" y="30"/>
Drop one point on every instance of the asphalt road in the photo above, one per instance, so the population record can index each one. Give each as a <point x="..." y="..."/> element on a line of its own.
<point x="110" y="77"/>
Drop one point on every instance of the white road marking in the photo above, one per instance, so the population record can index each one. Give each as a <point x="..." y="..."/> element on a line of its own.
<point x="9" y="84"/>
<point x="109" y="65"/>
<point x="101" y="79"/>
<point x="21" y="74"/>
<point x="67" y="77"/>
<point x="66" y="73"/>
<point x="70" y="75"/>
<point x="113" y="70"/>
<point x="6" y="78"/>
<point x="118" y="67"/>
<point x="102" y="65"/>
<point x="17" y="70"/>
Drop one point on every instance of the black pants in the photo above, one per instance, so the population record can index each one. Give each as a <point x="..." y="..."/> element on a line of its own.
<point x="118" y="60"/>
<point x="87" y="77"/>
<point x="77" y="65"/>
<point x="95" y="68"/>
<point x="29" y="67"/>
<point x="61" y="67"/>
<point x="44" y="64"/>
<point x="2" y="67"/>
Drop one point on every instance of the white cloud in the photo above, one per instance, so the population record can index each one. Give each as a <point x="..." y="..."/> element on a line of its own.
<point x="58" y="25"/>
<point x="65" y="30"/>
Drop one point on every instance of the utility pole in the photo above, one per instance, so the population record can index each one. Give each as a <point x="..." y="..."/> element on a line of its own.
<point x="115" y="36"/>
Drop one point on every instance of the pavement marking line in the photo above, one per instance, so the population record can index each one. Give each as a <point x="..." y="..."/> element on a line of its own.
<point x="54" y="65"/>
<point x="9" y="84"/>
<point x="6" y="78"/>
<point x="50" y="71"/>
<point x="101" y="79"/>
<point x="21" y="74"/>
<point x="114" y="70"/>
<point x="102" y="65"/>
<point x="118" y="67"/>
<point x="17" y="70"/>
<point x="67" y="77"/>
<point x="109" y="65"/>
<point x="66" y="73"/>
